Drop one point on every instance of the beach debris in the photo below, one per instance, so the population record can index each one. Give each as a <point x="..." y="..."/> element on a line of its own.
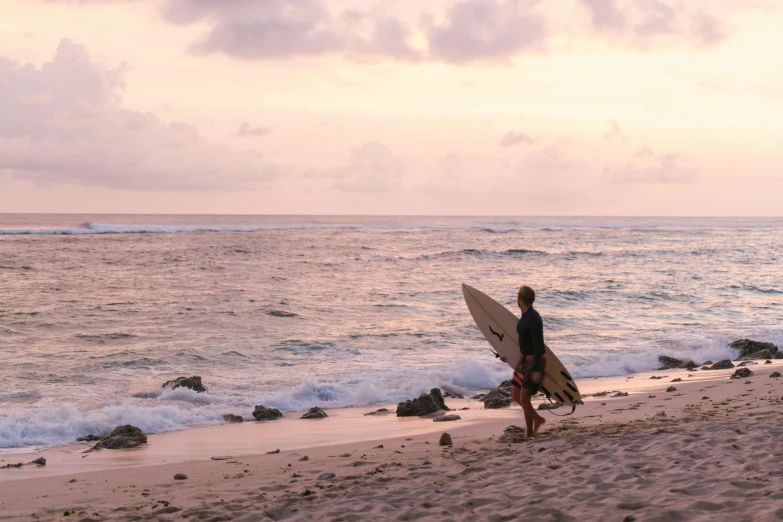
<point x="750" y="350"/>
<point x="512" y="434"/>
<point x="376" y="412"/>
<point x="669" y="362"/>
<point x="601" y="394"/>
<point x="233" y="419"/>
<point x="345" y="455"/>
<point x="425" y="404"/>
<point x="660" y="415"/>
<point x="326" y="476"/>
<point x="40" y="461"/>
<point x="741" y="373"/>
<point x="705" y="398"/>
<point x="379" y="446"/>
<point x="445" y="440"/>
<point x="446" y="418"/>
<point x="774" y="374"/>
<point x="121" y="437"/>
<point x="547" y="406"/>
<point x="747" y="382"/>
<point x="69" y="512"/>
<point x="620" y="394"/>
<point x="9" y="466"/>
<point x="304" y="458"/>
<point x="225" y="457"/>
<point x="671" y="389"/>
<point x="651" y="396"/>
<point x="262" y="413"/>
<point x="194" y="383"/>
<point x="180" y="476"/>
<point x="723" y="364"/>
<point x="314" y="413"/>
<point x="676" y="380"/>
<point x="273" y="452"/>
<point x="767" y="362"/>
<point x="88" y="438"/>
<point x="658" y="376"/>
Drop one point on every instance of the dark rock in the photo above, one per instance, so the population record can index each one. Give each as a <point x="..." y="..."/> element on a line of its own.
<point x="146" y="395"/>
<point x="748" y="347"/>
<point x="669" y="362"/>
<point x="262" y="413"/>
<point x="194" y="383"/>
<point x="689" y="365"/>
<point x="445" y="440"/>
<point x="314" y="413"/>
<point x="548" y="406"/>
<point x="226" y="457"/>
<point x="446" y="418"/>
<point x="742" y="373"/>
<point x="40" y="461"/>
<point x="9" y="466"/>
<point x="88" y="438"/>
<point x="326" y="476"/>
<point x="620" y="394"/>
<point x="705" y="398"/>
<point x="774" y="374"/>
<point x="453" y="395"/>
<point x="764" y="354"/>
<point x="180" y="476"/>
<point x="723" y="364"/>
<point x="767" y="362"/>
<point x="273" y="452"/>
<point x="122" y="437"/>
<point x="303" y="459"/>
<point x="499" y="397"/>
<point x="423" y="405"/>
<point x="376" y="412"/>
<point x="233" y="419"/>
<point x="706" y="363"/>
<point x="71" y="481"/>
<point x="671" y="389"/>
<point x="601" y="394"/>
<point x="676" y="380"/>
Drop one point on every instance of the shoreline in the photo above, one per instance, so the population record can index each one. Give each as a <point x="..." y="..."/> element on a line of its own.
<point x="602" y="420"/>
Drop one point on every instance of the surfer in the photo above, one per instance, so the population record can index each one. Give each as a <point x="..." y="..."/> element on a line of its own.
<point x="530" y="370"/>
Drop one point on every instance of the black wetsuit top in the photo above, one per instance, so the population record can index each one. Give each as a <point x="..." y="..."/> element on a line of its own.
<point x="530" y="329"/>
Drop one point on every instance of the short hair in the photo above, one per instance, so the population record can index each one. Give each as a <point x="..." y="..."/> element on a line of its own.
<point x="527" y="295"/>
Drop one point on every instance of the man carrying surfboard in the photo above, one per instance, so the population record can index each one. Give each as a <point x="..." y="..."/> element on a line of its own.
<point x="530" y="370"/>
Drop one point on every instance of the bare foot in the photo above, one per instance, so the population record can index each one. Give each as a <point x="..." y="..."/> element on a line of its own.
<point x="537" y="423"/>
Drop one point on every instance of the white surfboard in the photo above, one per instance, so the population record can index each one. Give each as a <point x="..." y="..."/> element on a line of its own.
<point x="499" y="326"/>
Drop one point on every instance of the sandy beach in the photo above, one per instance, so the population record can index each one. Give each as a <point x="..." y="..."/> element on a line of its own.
<point x="711" y="450"/>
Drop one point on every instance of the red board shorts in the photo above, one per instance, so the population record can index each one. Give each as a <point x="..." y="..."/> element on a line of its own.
<point x="523" y="372"/>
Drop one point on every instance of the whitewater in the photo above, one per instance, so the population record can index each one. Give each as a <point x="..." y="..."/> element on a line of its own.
<point x="299" y="311"/>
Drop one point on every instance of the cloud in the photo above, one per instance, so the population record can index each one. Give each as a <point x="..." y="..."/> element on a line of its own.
<point x="64" y="123"/>
<point x="254" y="30"/>
<point x="615" y="133"/>
<point x="515" y="138"/>
<point x="650" y="23"/>
<point x="652" y="167"/>
<point x="485" y="30"/>
<point x="372" y="168"/>
<point x="245" y="130"/>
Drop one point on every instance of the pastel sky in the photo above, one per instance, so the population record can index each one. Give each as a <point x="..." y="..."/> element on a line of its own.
<point x="466" y="107"/>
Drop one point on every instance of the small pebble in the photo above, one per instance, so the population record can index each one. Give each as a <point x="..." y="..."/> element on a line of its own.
<point x="180" y="476"/>
<point x="326" y="476"/>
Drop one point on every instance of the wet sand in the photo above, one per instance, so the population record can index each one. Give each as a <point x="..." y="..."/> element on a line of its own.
<point x="717" y="454"/>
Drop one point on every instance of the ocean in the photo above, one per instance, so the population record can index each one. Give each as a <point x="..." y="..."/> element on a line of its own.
<point x="299" y="311"/>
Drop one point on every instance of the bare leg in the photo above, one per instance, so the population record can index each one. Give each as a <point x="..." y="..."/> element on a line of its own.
<point x="537" y="423"/>
<point x="530" y="413"/>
